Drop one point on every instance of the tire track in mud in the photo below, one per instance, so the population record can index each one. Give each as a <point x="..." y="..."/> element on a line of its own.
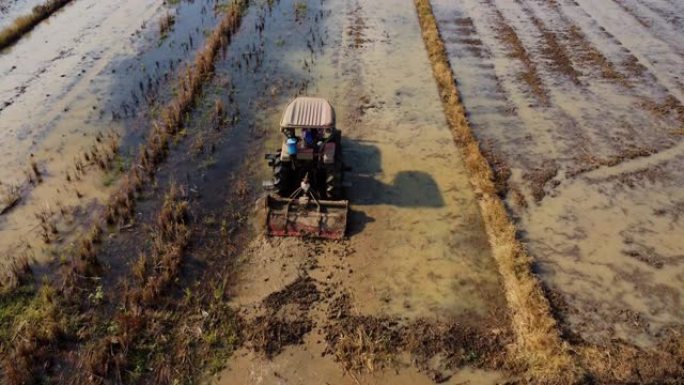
<point x="650" y="51"/>
<point x="643" y="85"/>
<point x="669" y="11"/>
<point x="578" y="109"/>
<point x="629" y="143"/>
<point x="579" y="123"/>
<point x="547" y="143"/>
<point x="518" y="51"/>
<point x="658" y="26"/>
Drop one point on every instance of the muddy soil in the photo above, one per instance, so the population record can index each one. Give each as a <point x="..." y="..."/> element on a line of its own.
<point x="426" y="299"/>
<point x="578" y="106"/>
<point x="417" y="253"/>
<point x="76" y="90"/>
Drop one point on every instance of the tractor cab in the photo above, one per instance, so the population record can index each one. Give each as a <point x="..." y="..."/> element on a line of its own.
<point x="308" y="126"/>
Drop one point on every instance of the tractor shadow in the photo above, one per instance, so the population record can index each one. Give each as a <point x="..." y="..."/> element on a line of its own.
<point x="408" y="189"/>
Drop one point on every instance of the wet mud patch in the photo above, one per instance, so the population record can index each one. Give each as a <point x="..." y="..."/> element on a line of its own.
<point x="269" y="334"/>
<point x="541" y="176"/>
<point x="302" y="292"/>
<point x="438" y="349"/>
<point x="285" y="320"/>
<point x="619" y="361"/>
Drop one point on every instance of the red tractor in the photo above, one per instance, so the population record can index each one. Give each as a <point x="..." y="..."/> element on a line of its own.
<point x="306" y="196"/>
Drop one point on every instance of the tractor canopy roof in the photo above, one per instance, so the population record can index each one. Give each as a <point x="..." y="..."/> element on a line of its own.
<point x="308" y="112"/>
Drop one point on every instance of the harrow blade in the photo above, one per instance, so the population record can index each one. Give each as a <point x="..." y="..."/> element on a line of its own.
<point x="292" y="218"/>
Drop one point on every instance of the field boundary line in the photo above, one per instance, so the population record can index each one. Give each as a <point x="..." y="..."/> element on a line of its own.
<point x="538" y="347"/>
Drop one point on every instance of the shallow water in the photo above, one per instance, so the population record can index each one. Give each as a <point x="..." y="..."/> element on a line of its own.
<point x="74" y="78"/>
<point x="595" y="180"/>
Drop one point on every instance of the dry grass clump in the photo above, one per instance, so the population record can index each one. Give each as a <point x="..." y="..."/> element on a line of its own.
<point x="121" y="206"/>
<point x="170" y="238"/>
<point x="669" y="107"/>
<point x="628" y="364"/>
<point x="112" y="355"/>
<point x="37" y="326"/>
<point x="166" y="23"/>
<point x="10" y="196"/>
<point x="17" y="273"/>
<point x="48" y="228"/>
<point x="219" y="114"/>
<point x="539" y="177"/>
<point x="538" y="343"/>
<point x="364" y="344"/>
<point x="23" y="24"/>
<point x="101" y="154"/>
<point x="269" y="334"/>
<point x="501" y="170"/>
<point x="633" y="66"/>
<point x="438" y="348"/>
<point x="83" y="268"/>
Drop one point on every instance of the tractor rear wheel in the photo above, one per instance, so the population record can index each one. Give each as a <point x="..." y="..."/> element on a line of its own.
<point x="281" y="177"/>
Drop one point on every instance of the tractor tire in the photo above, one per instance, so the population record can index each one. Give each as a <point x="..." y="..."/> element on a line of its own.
<point x="281" y="177"/>
<point x="333" y="178"/>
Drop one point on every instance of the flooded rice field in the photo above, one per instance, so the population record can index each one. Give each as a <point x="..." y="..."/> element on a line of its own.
<point x="133" y="136"/>
<point x="76" y="94"/>
<point x="578" y="107"/>
<point x="415" y="268"/>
